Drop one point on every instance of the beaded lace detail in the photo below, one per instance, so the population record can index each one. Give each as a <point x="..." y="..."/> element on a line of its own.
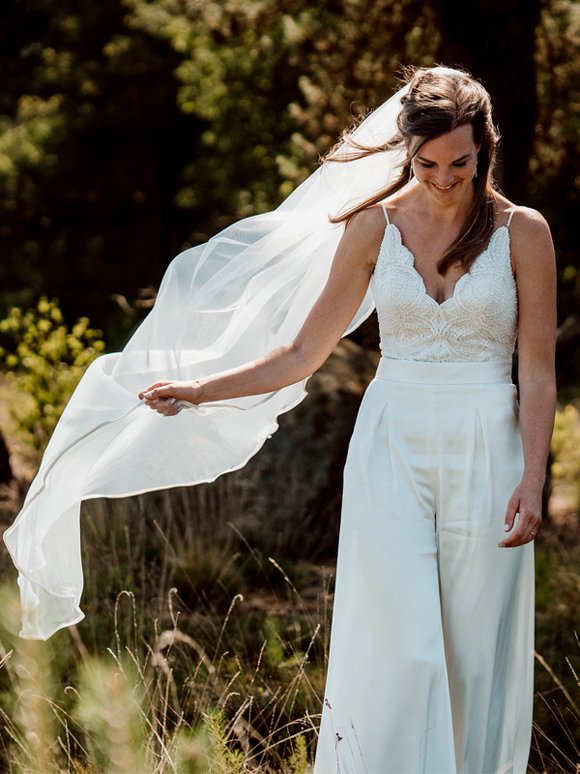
<point x="477" y="323"/>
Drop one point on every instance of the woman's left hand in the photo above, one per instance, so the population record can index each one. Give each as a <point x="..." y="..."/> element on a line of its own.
<point x="526" y="501"/>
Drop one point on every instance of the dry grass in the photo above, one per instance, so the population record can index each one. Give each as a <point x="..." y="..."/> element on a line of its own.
<point x="223" y="682"/>
<point x="206" y="638"/>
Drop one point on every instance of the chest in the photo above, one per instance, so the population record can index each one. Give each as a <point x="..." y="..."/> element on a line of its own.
<point x="423" y="252"/>
<point x="477" y="322"/>
<point x="400" y="284"/>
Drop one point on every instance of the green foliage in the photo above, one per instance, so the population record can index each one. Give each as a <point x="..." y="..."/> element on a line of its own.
<point x="221" y="759"/>
<point x="275" y="83"/>
<point x="298" y="761"/>
<point x="238" y="75"/>
<point x="91" y="150"/>
<point x="566" y="449"/>
<point x="274" y="649"/>
<point x="133" y="127"/>
<point x="45" y="361"/>
<point x="29" y="140"/>
<point x="554" y="188"/>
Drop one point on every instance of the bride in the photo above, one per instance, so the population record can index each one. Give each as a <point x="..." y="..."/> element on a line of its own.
<point x="430" y="662"/>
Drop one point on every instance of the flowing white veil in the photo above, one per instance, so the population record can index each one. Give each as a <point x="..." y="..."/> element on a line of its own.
<point x="245" y="292"/>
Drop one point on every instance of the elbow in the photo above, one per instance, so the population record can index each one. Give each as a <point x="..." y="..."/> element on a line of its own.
<point x="543" y="380"/>
<point x="541" y="387"/>
<point x="305" y="361"/>
<point x="537" y="372"/>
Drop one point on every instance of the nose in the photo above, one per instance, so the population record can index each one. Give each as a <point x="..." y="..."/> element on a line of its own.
<point x="444" y="178"/>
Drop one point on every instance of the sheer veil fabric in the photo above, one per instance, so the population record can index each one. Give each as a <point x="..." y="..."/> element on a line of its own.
<point x="243" y="293"/>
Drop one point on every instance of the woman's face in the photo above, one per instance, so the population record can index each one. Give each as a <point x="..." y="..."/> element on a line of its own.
<point x="446" y="165"/>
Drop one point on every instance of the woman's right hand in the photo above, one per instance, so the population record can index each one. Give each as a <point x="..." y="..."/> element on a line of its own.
<point x="166" y="397"/>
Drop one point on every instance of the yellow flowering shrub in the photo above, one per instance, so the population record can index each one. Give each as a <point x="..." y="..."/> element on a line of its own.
<point x="566" y="448"/>
<point x="44" y="359"/>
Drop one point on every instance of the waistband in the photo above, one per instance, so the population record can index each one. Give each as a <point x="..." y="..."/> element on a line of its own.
<point x="419" y="371"/>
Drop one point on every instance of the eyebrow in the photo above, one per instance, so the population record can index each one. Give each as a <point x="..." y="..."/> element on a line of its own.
<point x="465" y="156"/>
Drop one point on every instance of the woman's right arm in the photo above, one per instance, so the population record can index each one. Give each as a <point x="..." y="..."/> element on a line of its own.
<point x="328" y="319"/>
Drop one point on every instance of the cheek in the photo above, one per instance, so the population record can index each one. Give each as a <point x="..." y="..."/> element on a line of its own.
<point x="463" y="174"/>
<point x="467" y="174"/>
<point x="422" y="174"/>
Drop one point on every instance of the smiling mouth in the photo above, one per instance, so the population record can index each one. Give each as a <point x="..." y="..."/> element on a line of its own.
<point x="443" y="189"/>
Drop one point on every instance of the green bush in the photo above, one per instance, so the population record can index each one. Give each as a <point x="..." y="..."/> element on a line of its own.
<point x="45" y="360"/>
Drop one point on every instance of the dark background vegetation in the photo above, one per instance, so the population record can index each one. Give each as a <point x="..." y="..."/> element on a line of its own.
<point x="131" y="129"/>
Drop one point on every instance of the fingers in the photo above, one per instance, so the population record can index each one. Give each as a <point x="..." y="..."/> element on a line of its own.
<point x="524" y="532"/>
<point x="523" y="517"/>
<point x="165" y="397"/>
<point x="168" y="407"/>
<point x="510" y="515"/>
<point x="154" y="386"/>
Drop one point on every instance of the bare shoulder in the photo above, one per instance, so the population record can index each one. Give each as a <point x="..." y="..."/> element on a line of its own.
<point x="534" y="263"/>
<point x="529" y="224"/>
<point x="371" y="218"/>
<point x="532" y="254"/>
<point x="532" y="249"/>
<point x="364" y="234"/>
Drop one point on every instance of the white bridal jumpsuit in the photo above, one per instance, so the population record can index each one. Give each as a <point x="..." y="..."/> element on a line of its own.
<point x="431" y="650"/>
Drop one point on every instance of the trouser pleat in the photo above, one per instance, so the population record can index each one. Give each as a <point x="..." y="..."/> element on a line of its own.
<point x="430" y="660"/>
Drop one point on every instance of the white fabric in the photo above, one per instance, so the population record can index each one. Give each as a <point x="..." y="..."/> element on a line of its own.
<point x="477" y="323"/>
<point x="245" y="292"/>
<point x="431" y="651"/>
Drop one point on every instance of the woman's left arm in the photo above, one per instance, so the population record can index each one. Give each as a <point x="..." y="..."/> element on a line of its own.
<point x="534" y="263"/>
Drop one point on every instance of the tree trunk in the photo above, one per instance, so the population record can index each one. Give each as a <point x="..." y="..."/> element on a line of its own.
<point x="495" y="41"/>
<point x="6" y="475"/>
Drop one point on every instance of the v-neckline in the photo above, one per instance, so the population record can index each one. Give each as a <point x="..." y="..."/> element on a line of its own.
<point x="420" y="276"/>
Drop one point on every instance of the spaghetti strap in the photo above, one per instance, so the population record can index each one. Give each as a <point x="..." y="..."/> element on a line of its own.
<point x="384" y="206"/>
<point x="510" y="218"/>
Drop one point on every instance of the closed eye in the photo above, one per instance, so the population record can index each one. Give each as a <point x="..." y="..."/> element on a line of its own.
<point x="430" y="166"/>
<point x="461" y="161"/>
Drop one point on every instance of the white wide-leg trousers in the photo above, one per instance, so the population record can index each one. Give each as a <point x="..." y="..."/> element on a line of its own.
<point x="431" y="650"/>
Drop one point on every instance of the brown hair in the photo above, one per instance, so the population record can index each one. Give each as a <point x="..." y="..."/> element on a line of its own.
<point x="438" y="101"/>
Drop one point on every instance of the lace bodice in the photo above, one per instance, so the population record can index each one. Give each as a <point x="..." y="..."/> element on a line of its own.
<point x="477" y="323"/>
